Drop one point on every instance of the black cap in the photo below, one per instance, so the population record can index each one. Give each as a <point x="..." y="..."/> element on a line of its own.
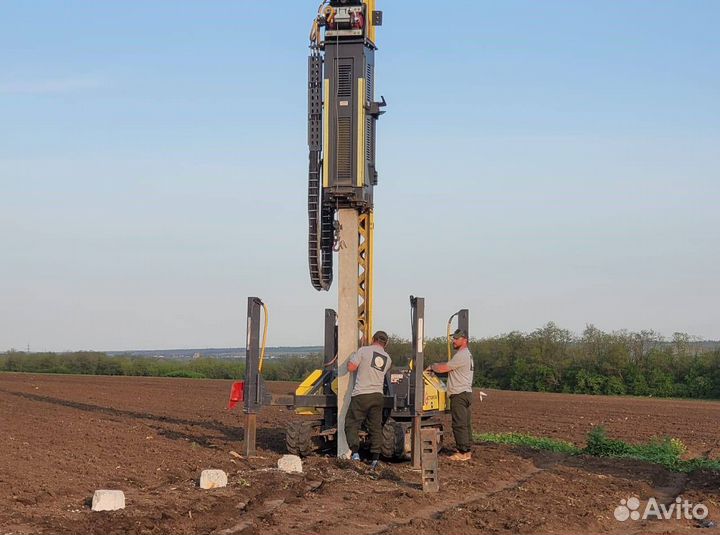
<point x="459" y="333"/>
<point x="380" y="336"/>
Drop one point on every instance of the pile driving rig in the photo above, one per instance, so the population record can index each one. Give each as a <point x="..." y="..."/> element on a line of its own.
<point x="342" y="116"/>
<point x="341" y="137"/>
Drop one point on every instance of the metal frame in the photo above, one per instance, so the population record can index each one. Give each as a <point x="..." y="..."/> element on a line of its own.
<point x="322" y="396"/>
<point x="366" y="228"/>
<point x="256" y="395"/>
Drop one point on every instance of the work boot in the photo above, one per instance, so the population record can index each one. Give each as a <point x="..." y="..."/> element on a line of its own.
<point x="461" y="456"/>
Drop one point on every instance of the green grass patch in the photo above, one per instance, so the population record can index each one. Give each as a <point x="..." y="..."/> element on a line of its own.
<point x="520" y="439"/>
<point x="699" y="463"/>
<point x="665" y="451"/>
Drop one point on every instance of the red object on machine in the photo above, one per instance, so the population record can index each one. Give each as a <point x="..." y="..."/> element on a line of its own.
<point x="237" y="394"/>
<point x="358" y="21"/>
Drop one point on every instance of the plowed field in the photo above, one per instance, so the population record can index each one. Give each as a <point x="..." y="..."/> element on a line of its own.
<point x="63" y="437"/>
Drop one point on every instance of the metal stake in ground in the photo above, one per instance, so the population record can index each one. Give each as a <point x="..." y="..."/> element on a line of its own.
<point x="253" y="385"/>
<point x="429" y="460"/>
<point x="418" y="341"/>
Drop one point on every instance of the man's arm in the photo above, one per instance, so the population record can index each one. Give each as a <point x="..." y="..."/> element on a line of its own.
<point x="447" y="367"/>
<point x="353" y="363"/>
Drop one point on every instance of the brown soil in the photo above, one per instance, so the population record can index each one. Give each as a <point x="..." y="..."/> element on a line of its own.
<point x="63" y="437"/>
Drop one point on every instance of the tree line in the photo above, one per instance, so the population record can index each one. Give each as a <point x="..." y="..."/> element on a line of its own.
<point x="97" y="363"/>
<point x="552" y="359"/>
<point x="548" y="359"/>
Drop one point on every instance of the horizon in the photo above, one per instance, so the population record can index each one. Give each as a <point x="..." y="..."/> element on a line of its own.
<point x="576" y="336"/>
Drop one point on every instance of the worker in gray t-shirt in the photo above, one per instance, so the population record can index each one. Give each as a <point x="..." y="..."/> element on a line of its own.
<point x="370" y="364"/>
<point x="459" y="387"/>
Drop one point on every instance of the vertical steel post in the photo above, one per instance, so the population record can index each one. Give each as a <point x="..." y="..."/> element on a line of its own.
<point x="418" y="341"/>
<point x="464" y="321"/>
<point x="330" y="363"/>
<point x="253" y="381"/>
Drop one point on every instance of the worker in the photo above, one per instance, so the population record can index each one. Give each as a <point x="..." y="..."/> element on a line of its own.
<point x="369" y="364"/>
<point x="459" y="387"/>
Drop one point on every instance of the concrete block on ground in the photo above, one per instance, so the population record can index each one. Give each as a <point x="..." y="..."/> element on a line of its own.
<point x="290" y="464"/>
<point x="213" y="479"/>
<point x="108" y="500"/>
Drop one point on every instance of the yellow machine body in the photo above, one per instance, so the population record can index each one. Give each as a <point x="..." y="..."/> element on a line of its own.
<point x="306" y="387"/>
<point x="436" y="397"/>
<point x="371" y="28"/>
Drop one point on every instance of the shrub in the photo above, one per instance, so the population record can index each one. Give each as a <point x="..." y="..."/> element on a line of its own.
<point x="186" y="374"/>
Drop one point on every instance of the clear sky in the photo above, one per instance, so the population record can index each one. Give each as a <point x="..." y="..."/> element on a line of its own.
<point x="539" y="161"/>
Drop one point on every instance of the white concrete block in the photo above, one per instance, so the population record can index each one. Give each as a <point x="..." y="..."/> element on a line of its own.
<point x="213" y="479"/>
<point x="108" y="500"/>
<point x="290" y="464"/>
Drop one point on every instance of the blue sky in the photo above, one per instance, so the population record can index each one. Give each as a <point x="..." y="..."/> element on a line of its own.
<point x="539" y="161"/>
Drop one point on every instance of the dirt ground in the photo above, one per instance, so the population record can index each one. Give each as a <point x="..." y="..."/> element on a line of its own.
<point x="63" y="437"/>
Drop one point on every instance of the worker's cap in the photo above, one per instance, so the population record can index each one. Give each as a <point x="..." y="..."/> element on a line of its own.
<point x="380" y="336"/>
<point x="459" y="333"/>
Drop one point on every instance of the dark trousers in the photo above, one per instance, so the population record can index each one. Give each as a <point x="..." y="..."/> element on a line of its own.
<point x="461" y="410"/>
<point x="365" y="408"/>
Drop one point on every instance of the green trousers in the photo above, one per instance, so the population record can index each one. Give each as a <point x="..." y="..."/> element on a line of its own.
<point x="365" y="408"/>
<point x="461" y="411"/>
